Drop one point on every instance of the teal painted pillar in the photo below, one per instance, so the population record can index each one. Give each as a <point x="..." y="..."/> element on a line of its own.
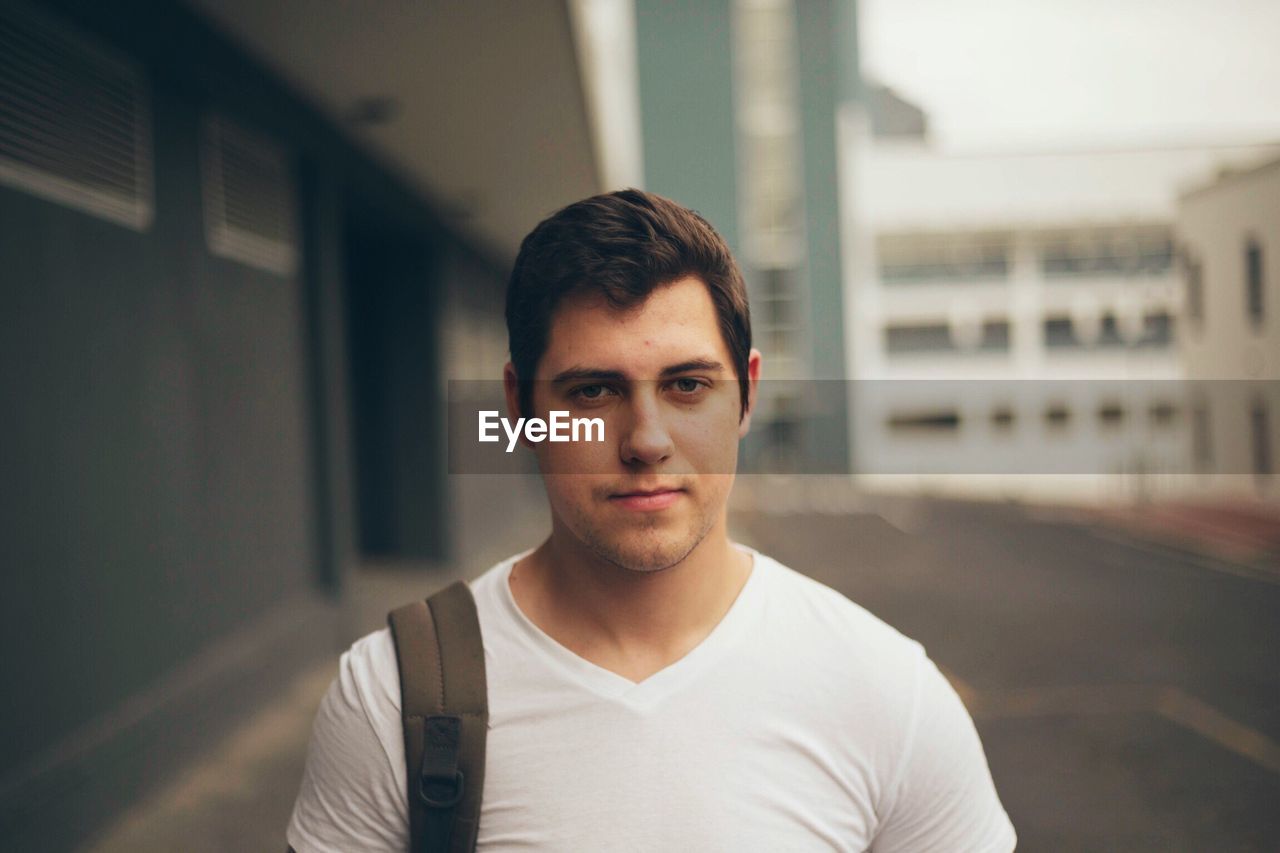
<point x="827" y="70"/>
<point x="685" y="55"/>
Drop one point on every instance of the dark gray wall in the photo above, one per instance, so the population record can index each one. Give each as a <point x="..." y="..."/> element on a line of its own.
<point x="155" y="450"/>
<point x="178" y="508"/>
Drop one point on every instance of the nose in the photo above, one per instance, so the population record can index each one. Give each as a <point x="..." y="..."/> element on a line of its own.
<point x="645" y="440"/>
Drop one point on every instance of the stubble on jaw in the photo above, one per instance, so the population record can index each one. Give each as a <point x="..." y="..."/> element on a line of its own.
<point x="642" y="558"/>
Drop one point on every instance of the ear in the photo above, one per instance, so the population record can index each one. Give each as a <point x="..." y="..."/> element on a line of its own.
<point x="511" y="388"/>
<point x="753" y="379"/>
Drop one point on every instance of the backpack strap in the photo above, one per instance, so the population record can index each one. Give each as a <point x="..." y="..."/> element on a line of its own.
<point x="445" y="714"/>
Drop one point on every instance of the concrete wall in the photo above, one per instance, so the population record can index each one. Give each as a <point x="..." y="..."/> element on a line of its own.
<point x="1234" y="357"/>
<point x="180" y="516"/>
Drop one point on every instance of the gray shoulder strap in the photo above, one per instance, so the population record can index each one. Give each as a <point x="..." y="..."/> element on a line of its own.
<point x="445" y="713"/>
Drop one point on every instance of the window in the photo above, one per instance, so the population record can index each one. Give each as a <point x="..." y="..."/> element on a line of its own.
<point x="992" y="336"/>
<point x="1111" y="415"/>
<point x="930" y="337"/>
<point x="767" y="113"/>
<point x="75" y="122"/>
<point x="1260" y="422"/>
<point x="1162" y="413"/>
<point x="1193" y="277"/>
<point x="249" y="198"/>
<point x="782" y="442"/>
<point x="1109" y="333"/>
<point x="778" y="311"/>
<point x="923" y="258"/>
<point x="1156" y="333"/>
<point x="1109" y="252"/>
<point x="1060" y="333"/>
<point x="1201" y="444"/>
<point x="1057" y="416"/>
<point x="995" y="336"/>
<point x="940" y="421"/>
<point x="782" y="428"/>
<point x="1157" y="330"/>
<point x="1253" y="281"/>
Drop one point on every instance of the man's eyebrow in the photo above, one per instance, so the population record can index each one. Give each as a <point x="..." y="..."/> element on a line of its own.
<point x="575" y="374"/>
<point x="597" y="374"/>
<point x="692" y="364"/>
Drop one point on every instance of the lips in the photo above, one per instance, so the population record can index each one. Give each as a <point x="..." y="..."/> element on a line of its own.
<point x="647" y="500"/>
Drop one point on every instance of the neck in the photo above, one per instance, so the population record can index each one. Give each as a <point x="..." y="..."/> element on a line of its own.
<point x="631" y="622"/>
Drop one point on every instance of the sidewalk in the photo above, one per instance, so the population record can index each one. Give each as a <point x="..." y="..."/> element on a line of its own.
<point x="239" y="798"/>
<point x="1243" y="532"/>
<point x="240" y="795"/>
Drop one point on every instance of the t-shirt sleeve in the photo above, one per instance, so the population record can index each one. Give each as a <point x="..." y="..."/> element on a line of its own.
<point x="352" y="797"/>
<point x="944" y="799"/>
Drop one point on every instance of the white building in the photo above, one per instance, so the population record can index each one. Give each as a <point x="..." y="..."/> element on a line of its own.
<point x="1056" y="269"/>
<point x="1229" y="238"/>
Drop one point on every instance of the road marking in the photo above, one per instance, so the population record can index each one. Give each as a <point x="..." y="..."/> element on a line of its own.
<point x="1209" y="722"/>
<point x="968" y="695"/>
<point x="1173" y="704"/>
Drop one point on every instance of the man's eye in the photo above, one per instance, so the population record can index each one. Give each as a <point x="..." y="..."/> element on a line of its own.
<point x="589" y="392"/>
<point x="687" y="385"/>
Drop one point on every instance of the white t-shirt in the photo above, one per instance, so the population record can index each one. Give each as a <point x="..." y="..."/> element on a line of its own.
<point x="802" y="722"/>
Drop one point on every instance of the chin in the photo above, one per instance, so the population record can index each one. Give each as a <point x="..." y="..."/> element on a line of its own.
<point x="643" y="555"/>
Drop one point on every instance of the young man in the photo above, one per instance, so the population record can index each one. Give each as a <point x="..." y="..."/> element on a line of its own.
<point x="652" y="685"/>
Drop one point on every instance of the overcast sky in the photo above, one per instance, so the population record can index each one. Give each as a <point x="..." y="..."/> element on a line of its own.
<point x="1069" y="73"/>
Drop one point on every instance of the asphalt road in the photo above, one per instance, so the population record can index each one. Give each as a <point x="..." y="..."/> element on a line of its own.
<point x="1127" y="699"/>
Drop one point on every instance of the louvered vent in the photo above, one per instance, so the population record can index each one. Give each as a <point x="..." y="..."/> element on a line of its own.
<point x="249" y="198"/>
<point x="75" y="126"/>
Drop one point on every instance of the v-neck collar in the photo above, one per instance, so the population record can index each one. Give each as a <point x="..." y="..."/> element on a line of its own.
<point x="643" y="695"/>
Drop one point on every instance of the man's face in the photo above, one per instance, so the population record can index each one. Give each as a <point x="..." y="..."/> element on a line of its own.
<point x="661" y="378"/>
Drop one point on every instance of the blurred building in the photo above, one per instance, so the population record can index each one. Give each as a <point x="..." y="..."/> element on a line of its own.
<point x="1053" y="269"/>
<point x="1228" y="233"/>
<point x="243" y="246"/>
<point x="739" y="104"/>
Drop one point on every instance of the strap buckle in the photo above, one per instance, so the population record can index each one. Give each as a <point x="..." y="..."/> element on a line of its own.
<point x="440" y="782"/>
<point x="445" y="793"/>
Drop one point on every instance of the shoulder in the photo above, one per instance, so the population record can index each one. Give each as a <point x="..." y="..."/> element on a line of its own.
<point x="943" y="796"/>
<point x="352" y="793"/>
<point x="487" y="588"/>
<point x="934" y="789"/>
<point x="369" y="671"/>
<point x="864" y="680"/>
<point x="837" y="627"/>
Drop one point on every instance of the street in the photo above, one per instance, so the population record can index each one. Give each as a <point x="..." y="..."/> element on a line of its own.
<point x="1126" y="700"/>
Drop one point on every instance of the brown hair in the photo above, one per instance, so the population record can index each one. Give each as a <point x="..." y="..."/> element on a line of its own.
<point x="622" y="245"/>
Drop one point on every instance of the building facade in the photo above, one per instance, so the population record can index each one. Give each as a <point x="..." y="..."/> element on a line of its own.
<point x="1014" y="319"/>
<point x="1228" y="233"/>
